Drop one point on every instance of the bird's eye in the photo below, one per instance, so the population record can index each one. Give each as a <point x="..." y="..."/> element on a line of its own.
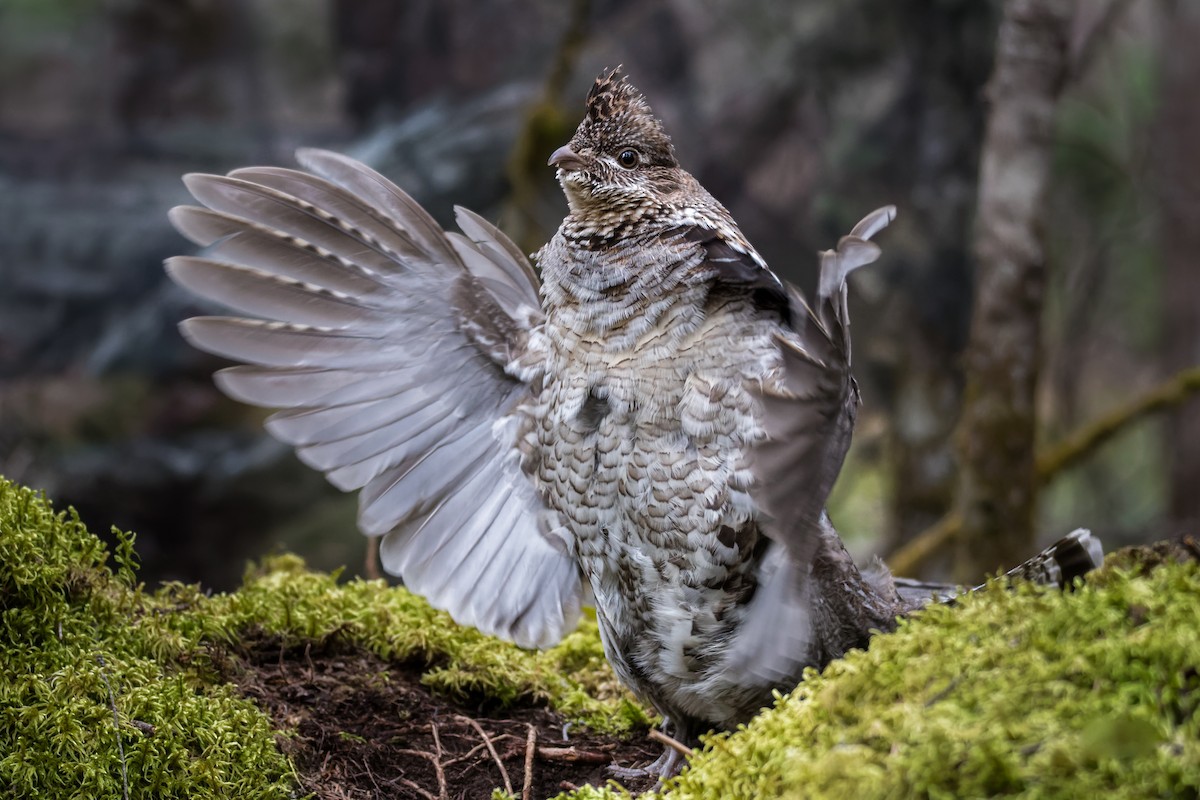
<point x="628" y="159"/>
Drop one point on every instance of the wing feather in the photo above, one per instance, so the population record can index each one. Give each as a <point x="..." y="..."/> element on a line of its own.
<point x="238" y="241"/>
<point x="383" y="342"/>
<point x="253" y="291"/>
<point x="808" y="409"/>
<point x="492" y="242"/>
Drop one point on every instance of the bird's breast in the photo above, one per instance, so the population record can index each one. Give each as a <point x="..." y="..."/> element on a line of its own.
<point x="643" y="451"/>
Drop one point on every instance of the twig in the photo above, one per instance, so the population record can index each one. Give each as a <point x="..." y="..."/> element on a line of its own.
<point x="491" y="749"/>
<point x="670" y="742"/>
<point x="530" y="749"/>
<point x="437" y="763"/>
<point x="416" y="753"/>
<point x="919" y="549"/>
<point x="116" y="726"/>
<point x="475" y="750"/>
<point x="465" y="756"/>
<point x="371" y="775"/>
<point x="312" y="669"/>
<point x="416" y="788"/>
<point x="371" y="562"/>
<point x="1171" y="392"/>
<point x="572" y="755"/>
<point x="944" y="693"/>
<point x="1054" y="460"/>
<point x="145" y="727"/>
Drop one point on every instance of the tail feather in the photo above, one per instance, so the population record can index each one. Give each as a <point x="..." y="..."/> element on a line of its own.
<point x="1071" y="557"/>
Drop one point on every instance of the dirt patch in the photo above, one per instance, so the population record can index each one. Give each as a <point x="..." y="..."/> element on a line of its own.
<point x="365" y="728"/>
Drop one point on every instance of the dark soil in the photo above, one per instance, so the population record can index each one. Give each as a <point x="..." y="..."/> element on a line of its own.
<point x="365" y="728"/>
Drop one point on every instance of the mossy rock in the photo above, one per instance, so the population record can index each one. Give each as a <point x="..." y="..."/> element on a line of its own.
<point x="1029" y="693"/>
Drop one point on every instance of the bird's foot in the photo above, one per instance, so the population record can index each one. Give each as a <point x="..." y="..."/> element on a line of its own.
<point x="665" y="766"/>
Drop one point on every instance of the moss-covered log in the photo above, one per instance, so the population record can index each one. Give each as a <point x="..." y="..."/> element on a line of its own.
<point x="107" y="690"/>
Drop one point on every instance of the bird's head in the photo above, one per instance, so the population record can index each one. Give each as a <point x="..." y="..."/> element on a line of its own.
<point x="620" y="163"/>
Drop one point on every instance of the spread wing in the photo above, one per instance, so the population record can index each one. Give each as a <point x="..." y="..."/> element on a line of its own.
<point x="383" y="340"/>
<point x="808" y="408"/>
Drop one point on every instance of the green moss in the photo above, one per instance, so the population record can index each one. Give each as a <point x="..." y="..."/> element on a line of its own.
<point x="74" y="646"/>
<point x="283" y="599"/>
<point x="1030" y="693"/>
<point x="78" y="637"/>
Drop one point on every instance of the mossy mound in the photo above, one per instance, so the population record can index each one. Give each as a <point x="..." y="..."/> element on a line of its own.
<point x="1029" y="693"/>
<point x="1026" y="693"/>
<point x="283" y="600"/>
<point x="97" y="699"/>
<point x="105" y="686"/>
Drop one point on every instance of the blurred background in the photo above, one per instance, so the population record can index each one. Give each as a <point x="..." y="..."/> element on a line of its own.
<point x="800" y="117"/>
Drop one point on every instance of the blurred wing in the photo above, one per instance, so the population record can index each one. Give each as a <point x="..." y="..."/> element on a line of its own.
<point x="808" y="408"/>
<point x="383" y="341"/>
<point x="809" y="405"/>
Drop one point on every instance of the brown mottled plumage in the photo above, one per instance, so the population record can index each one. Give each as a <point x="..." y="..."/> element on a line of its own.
<point x="655" y="426"/>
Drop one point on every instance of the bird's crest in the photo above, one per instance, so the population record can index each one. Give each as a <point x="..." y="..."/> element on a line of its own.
<point x="619" y="116"/>
<point x="613" y="95"/>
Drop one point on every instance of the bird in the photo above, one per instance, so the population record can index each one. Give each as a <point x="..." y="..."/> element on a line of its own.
<point x="649" y="423"/>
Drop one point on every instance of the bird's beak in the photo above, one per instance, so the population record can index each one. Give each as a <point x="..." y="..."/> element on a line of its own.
<point x="567" y="159"/>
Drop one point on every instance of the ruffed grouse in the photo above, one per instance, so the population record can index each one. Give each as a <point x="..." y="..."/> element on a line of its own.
<point x="653" y="429"/>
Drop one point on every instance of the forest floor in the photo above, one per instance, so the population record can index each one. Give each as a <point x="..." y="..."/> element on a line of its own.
<point x="367" y="728"/>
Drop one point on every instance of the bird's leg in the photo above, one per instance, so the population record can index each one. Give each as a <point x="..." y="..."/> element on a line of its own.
<point x="666" y="765"/>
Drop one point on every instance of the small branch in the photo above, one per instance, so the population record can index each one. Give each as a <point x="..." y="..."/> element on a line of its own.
<point x="145" y="727"/>
<point x="572" y="755"/>
<point x="491" y="749"/>
<point x="1068" y="452"/>
<point x="467" y="756"/>
<point x="371" y="775"/>
<point x="116" y="726"/>
<point x="312" y="668"/>
<point x="919" y="549"/>
<point x="944" y="693"/>
<point x="671" y="742"/>
<point x="415" y="787"/>
<point x="530" y="749"/>
<point x="371" y="562"/>
<point x="1054" y="460"/>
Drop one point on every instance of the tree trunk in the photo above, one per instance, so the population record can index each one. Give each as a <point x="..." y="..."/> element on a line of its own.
<point x="940" y="121"/>
<point x="1179" y="195"/>
<point x="996" y="431"/>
